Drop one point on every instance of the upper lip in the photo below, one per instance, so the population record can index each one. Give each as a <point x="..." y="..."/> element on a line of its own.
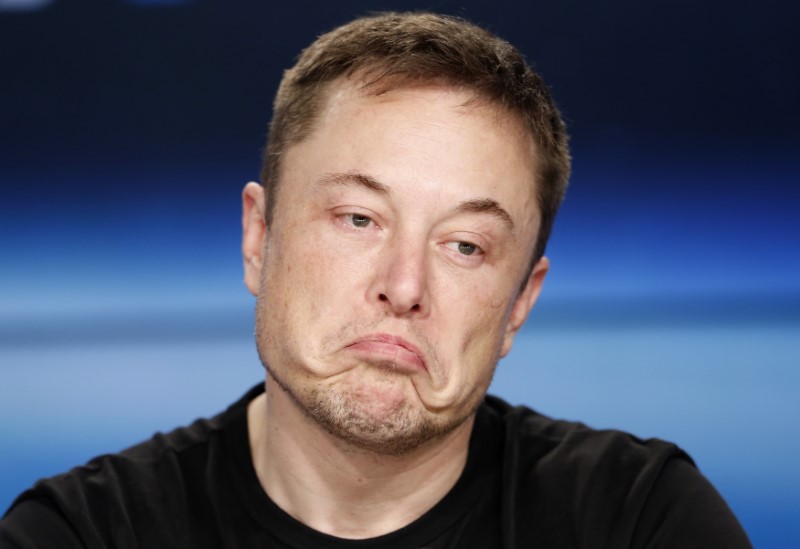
<point x="394" y="340"/>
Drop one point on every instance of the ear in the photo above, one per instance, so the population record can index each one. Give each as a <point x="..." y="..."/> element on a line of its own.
<point x="524" y="303"/>
<point x="254" y="232"/>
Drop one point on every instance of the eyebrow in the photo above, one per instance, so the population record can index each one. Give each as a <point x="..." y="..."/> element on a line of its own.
<point x="475" y="205"/>
<point x="356" y="179"/>
<point x="487" y="206"/>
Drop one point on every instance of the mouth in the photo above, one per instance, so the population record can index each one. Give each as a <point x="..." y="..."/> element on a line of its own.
<point x="386" y="348"/>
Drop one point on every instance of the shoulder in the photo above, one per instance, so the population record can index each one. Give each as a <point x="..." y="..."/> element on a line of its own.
<point x="579" y="486"/>
<point x="132" y="490"/>
<point x="571" y="446"/>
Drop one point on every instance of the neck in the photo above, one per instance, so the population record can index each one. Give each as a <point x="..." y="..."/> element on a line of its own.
<point x="340" y="490"/>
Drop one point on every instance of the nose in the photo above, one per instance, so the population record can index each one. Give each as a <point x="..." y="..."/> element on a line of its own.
<point x="401" y="282"/>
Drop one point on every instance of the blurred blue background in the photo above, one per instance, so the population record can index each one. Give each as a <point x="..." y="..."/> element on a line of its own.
<point x="672" y="308"/>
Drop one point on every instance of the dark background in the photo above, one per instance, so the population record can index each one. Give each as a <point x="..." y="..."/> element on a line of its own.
<point x="673" y="305"/>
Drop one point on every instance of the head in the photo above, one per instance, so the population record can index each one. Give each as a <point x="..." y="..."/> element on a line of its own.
<point x="394" y="50"/>
<point x="395" y="244"/>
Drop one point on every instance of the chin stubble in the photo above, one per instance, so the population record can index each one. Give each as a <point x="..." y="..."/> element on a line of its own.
<point x="342" y="415"/>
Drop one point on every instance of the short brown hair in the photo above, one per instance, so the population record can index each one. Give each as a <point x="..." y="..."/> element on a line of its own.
<point x="397" y="49"/>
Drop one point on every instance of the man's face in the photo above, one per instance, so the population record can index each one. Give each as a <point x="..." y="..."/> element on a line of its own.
<point x="389" y="285"/>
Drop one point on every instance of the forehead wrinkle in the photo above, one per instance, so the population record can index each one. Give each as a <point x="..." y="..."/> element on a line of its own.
<point x="487" y="206"/>
<point x="476" y="205"/>
<point x="354" y="179"/>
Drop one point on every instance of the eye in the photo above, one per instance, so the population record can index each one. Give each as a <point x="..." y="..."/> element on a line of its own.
<point x="359" y="220"/>
<point x="467" y="248"/>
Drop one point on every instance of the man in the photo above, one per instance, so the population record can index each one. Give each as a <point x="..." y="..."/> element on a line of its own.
<point x="395" y="247"/>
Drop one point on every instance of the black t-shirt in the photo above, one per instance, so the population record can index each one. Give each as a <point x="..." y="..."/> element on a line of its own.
<point x="529" y="482"/>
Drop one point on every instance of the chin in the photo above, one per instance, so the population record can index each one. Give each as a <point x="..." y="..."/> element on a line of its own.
<point x="379" y="417"/>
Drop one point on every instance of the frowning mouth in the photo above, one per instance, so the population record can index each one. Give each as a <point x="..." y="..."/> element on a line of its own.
<point x="388" y="348"/>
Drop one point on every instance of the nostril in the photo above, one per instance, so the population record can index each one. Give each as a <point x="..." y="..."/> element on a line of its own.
<point x="399" y="306"/>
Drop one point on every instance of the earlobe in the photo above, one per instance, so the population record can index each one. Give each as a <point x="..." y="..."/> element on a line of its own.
<point x="524" y="303"/>
<point x="253" y="234"/>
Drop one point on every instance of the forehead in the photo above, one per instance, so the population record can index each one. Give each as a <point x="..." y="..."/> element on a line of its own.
<point x="427" y="135"/>
<point x="359" y="94"/>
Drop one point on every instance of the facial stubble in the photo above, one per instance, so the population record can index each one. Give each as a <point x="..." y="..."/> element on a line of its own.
<point x="399" y="431"/>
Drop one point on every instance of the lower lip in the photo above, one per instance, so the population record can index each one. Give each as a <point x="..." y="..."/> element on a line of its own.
<point x="402" y="358"/>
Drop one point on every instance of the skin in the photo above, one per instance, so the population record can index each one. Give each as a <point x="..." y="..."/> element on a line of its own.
<point x="390" y="282"/>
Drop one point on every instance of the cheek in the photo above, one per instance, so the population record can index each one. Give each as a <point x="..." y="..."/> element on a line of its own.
<point x="484" y="310"/>
<point x="313" y="278"/>
<point x="293" y="264"/>
<point x="480" y="322"/>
